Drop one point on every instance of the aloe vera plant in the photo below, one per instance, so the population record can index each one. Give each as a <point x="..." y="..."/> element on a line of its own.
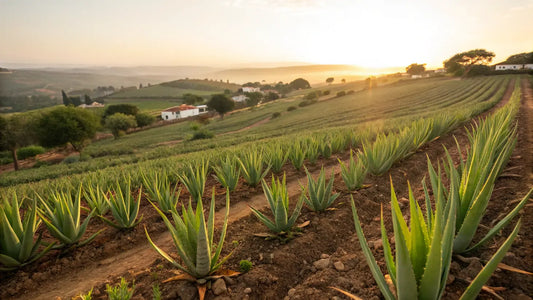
<point x="194" y="178"/>
<point x="278" y="199"/>
<point x="319" y="194"/>
<point x="252" y="167"/>
<point x="277" y="158"/>
<point x="312" y="151"/>
<point x="380" y="156"/>
<point x="228" y="173"/>
<point x="193" y="237"/>
<point x="17" y="244"/>
<point x="423" y="252"/>
<point x="124" y="207"/>
<point x="61" y="215"/>
<point x="354" y="174"/>
<point x="297" y="155"/>
<point x="159" y="190"/>
<point x="96" y="199"/>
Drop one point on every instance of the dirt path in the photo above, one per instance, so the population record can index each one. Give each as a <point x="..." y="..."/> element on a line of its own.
<point x="140" y="257"/>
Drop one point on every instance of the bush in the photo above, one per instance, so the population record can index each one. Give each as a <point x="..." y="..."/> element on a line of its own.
<point x="291" y="108"/>
<point x="202" y="134"/>
<point x="245" y="266"/>
<point x="341" y="93"/>
<point x="350" y="92"/>
<point x="29" y="151"/>
<point x="311" y="96"/>
<point x="71" y="159"/>
<point x="118" y="123"/>
<point x="326" y="92"/>
<point x="144" y="119"/>
<point x="276" y="115"/>
<point x="40" y="163"/>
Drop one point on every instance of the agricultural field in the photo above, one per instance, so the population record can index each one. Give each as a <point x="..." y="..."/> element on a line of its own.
<point x="330" y="185"/>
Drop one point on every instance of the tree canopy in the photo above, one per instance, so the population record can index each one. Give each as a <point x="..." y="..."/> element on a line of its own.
<point x="252" y="99"/>
<point x="126" y="109"/>
<point x="16" y="131"/>
<point x="299" y="83"/>
<point x="118" y="123"/>
<point x="521" y="58"/>
<point x="192" y="99"/>
<point x="67" y="125"/>
<point x="461" y="63"/>
<point x="330" y="80"/>
<point x="416" y="69"/>
<point x="221" y="104"/>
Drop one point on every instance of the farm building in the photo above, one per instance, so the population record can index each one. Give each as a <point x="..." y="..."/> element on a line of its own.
<point x="249" y="89"/>
<point x="239" y="98"/>
<point x="92" y="105"/>
<point x="514" y="67"/>
<point x="182" y="111"/>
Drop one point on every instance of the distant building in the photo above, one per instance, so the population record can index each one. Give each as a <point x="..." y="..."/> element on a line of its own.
<point x="528" y="66"/>
<point x="249" y="89"/>
<point x="239" y="98"/>
<point x="508" y="67"/>
<point x="441" y="70"/>
<point x="92" y="105"/>
<point x="182" y="111"/>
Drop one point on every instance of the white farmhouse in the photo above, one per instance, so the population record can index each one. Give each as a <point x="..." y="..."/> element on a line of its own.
<point x="528" y="66"/>
<point x="239" y="98"/>
<point x="249" y="89"/>
<point x="508" y="67"/>
<point x="182" y="111"/>
<point x="92" y="105"/>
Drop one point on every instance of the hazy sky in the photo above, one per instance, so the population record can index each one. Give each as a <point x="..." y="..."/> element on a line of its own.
<point x="370" y="33"/>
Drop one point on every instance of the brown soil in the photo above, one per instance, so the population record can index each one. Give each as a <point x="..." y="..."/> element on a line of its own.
<point x="288" y="270"/>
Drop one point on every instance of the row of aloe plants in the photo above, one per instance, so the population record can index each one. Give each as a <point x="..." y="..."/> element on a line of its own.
<point x="424" y="251"/>
<point x="253" y="165"/>
<point x="324" y="142"/>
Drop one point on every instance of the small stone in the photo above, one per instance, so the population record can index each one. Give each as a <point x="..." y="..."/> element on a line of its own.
<point x="323" y="255"/>
<point x="339" y="266"/>
<point x="322" y="263"/>
<point x="335" y="298"/>
<point x="229" y="280"/>
<point x="219" y="287"/>
<point x="247" y="290"/>
<point x="291" y="292"/>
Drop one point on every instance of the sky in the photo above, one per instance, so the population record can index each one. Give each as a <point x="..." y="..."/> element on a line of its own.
<point x="367" y="33"/>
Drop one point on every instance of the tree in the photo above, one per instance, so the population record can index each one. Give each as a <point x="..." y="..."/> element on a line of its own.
<point x="66" y="99"/>
<point x="416" y="69"/>
<point x="67" y="125"/>
<point x="461" y="63"/>
<point x="118" y="123"/>
<point x="330" y="80"/>
<point x="252" y="99"/>
<point x="15" y="132"/>
<point x="343" y="80"/>
<point x="221" y="104"/>
<point x="192" y="99"/>
<point x="271" y="96"/>
<point x="144" y="119"/>
<point x="126" y="109"/>
<point x="299" y="83"/>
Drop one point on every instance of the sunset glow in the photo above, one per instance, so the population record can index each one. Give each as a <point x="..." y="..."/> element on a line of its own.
<point x="222" y="33"/>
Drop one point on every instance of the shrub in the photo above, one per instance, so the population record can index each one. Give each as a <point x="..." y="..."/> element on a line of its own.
<point x="144" y="119"/>
<point x="245" y="266"/>
<point x="326" y="92"/>
<point x="291" y="108"/>
<point x="202" y="134"/>
<point x="276" y="115"/>
<point x="341" y="93"/>
<point x="311" y="96"/>
<point x="71" y="159"/>
<point x="304" y="103"/>
<point x="118" y="123"/>
<point x="350" y="92"/>
<point x="40" y="163"/>
<point x="29" y="151"/>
